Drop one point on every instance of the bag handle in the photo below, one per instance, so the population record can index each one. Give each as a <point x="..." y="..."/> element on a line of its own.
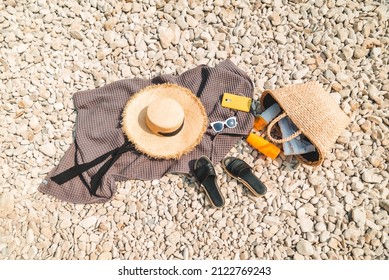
<point x="282" y="140"/>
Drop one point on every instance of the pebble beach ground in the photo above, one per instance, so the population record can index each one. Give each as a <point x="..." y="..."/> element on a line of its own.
<point x="51" y="49"/>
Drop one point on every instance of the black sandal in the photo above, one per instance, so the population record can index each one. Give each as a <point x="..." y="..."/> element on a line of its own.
<point x="241" y="171"/>
<point x="206" y="176"/>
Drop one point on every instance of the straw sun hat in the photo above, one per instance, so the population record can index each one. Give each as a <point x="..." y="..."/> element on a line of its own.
<point x="164" y="121"/>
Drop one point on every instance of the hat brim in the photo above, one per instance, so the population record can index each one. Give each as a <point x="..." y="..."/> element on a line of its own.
<point x="164" y="147"/>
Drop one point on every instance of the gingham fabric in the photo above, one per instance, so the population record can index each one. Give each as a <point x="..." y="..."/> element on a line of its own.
<point x="98" y="131"/>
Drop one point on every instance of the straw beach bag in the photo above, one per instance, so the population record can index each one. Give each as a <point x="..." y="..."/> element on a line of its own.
<point x="314" y="112"/>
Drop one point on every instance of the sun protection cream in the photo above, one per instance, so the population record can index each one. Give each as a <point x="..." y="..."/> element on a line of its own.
<point x="263" y="146"/>
<point x="267" y="116"/>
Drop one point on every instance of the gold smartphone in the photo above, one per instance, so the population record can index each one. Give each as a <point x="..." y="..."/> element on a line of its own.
<point x="236" y="102"/>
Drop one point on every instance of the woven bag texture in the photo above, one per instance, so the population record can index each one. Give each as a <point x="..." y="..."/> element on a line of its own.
<point x="314" y="112"/>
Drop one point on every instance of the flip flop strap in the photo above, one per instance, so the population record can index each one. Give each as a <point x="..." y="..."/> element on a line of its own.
<point x="236" y="167"/>
<point x="204" y="171"/>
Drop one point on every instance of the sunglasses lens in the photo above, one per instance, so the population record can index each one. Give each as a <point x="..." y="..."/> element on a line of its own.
<point x="231" y="122"/>
<point x="218" y="126"/>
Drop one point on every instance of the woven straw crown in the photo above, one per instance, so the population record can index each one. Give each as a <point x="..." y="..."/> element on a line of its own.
<point x="147" y="141"/>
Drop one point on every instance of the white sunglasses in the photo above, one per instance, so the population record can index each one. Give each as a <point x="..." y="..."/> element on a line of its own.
<point x="219" y="125"/>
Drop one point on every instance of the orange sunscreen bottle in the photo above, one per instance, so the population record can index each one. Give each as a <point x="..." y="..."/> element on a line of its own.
<point x="267" y="116"/>
<point x="262" y="145"/>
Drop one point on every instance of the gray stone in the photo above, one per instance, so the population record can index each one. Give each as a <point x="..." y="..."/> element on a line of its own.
<point x="375" y="52"/>
<point x="181" y="22"/>
<point x="329" y="75"/>
<point x="348" y="52"/>
<point x="306" y="225"/>
<point x="333" y="243"/>
<point x="357" y="252"/>
<point x="320" y="227"/>
<point x="315" y="179"/>
<point x="374" y="94"/>
<point x="344" y="79"/>
<point x="357" y="186"/>
<point x="105" y="256"/>
<point x="300" y="213"/>
<point x="32" y="252"/>
<point x="246" y="43"/>
<point x="300" y="74"/>
<point x="359" y="52"/>
<point x="343" y="34"/>
<point x="109" y="36"/>
<point x="65" y="224"/>
<point x="218" y="215"/>
<point x="47" y="232"/>
<point x="351" y="234"/>
<point x="324" y="236"/>
<point x="29" y="236"/>
<point x="359" y="216"/>
<point x="174" y="238"/>
<point x="76" y="34"/>
<point x="176" y="32"/>
<point x="375" y="161"/>
<point x="166" y="36"/>
<point x="211" y="18"/>
<point x="20" y="151"/>
<point x="385" y="204"/>
<point x="58" y="106"/>
<point x="271" y="220"/>
<point x="369" y="176"/>
<point x="221" y="55"/>
<point x="305" y="248"/>
<point x="275" y="18"/>
<point x="7" y="204"/>
<point x="191" y="21"/>
<point x="280" y="38"/>
<point x="48" y="149"/>
<point x="120" y="43"/>
<point x="88" y="222"/>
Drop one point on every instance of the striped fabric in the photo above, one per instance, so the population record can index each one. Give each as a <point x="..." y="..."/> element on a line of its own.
<point x="98" y="130"/>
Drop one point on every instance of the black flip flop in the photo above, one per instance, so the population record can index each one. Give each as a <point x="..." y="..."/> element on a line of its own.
<point x="206" y="176"/>
<point x="241" y="171"/>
